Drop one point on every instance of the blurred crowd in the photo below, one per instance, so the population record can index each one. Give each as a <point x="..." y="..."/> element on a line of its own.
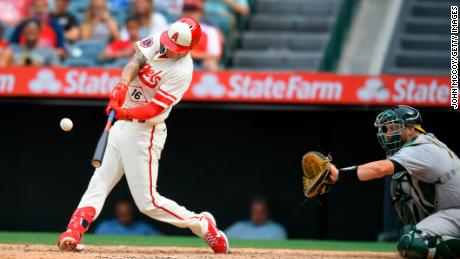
<point x="101" y="32"/>
<point x="259" y="225"/>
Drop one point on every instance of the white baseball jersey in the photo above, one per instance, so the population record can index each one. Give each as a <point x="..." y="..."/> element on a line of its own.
<point x="162" y="80"/>
<point x="134" y="149"/>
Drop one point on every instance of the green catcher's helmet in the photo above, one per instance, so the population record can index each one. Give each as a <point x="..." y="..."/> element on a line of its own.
<point x="398" y="117"/>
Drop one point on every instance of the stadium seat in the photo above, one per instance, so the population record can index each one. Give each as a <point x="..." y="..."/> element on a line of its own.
<point x="80" y="16"/>
<point x="90" y="49"/>
<point x="79" y="62"/>
<point x="277" y="60"/>
<point x="294" y="23"/>
<point x="427" y="26"/>
<point x="15" y="47"/>
<point x="289" y="34"/>
<point x="305" y="7"/>
<point x="119" y="16"/>
<point x="417" y="42"/>
<point x="294" y="41"/>
<point x="119" y="63"/>
<point x="78" y="6"/>
<point x="90" y="44"/>
<point x="423" y="59"/>
<point x="431" y="9"/>
<point x="8" y="30"/>
<point x="420" y="43"/>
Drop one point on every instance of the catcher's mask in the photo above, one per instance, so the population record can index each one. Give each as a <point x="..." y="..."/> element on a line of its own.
<point x="391" y="123"/>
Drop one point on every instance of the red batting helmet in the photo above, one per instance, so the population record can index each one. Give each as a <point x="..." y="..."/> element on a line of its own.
<point x="182" y="35"/>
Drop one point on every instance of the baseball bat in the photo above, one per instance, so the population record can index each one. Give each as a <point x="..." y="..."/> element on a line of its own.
<point x="102" y="143"/>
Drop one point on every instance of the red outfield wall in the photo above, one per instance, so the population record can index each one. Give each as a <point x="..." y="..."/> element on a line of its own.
<point x="239" y="86"/>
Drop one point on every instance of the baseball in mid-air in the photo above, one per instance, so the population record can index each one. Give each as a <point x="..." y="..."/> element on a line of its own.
<point x="66" y="124"/>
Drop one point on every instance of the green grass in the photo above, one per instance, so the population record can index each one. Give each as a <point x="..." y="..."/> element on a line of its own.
<point x="51" y="239"/>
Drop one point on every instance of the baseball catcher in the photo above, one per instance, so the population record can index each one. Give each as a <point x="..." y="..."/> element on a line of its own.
<point x="425" y="183"/>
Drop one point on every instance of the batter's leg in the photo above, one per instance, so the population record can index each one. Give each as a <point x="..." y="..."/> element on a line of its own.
<point x="102" y="182"/>
<point x="141" y="151"/>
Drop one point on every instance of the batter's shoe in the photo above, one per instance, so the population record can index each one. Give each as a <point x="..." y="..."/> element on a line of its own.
<point x="70" y="241"/>
<point x="215" y="238"/>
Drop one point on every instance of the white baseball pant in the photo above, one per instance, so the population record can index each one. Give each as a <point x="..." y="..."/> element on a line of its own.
<point x="134" y="149"/>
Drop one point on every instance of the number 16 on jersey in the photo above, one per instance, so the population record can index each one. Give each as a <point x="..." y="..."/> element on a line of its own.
<point x="137" y="95"/>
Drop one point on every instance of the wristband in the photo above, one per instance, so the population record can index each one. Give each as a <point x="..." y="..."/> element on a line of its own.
<point x="349" y="174"/>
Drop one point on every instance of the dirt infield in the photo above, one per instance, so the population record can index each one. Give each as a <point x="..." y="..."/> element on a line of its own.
<point x="134" y="252"/>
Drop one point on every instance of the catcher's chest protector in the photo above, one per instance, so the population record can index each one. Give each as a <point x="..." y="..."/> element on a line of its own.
<point x="412" y="199"/>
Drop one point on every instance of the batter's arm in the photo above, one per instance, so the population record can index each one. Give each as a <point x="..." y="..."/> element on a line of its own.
<point x="133" y="67"/>
<point x="365" y="172"/>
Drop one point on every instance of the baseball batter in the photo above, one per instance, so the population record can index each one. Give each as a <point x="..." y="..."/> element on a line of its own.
<point x="425" y="185"/>
<point x="152" y="82"/>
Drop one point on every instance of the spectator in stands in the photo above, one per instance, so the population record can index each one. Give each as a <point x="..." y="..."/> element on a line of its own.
<point x="151" y="21"/>
<point x="13" y="12"/>
<point x="171" y="9"/>
<point x="124" y="48"/>
<point x="124" y="222"/>
<point x="3" y="42"/>
<point x="221" y="13"/>
<point x="51" y="34"/>
<point x="207" y="53"/>
<point x="259" y="226"/>
<point x="30" y="53"/>
<point x="98" y="24"/>
<point x="67" y="20"/>
<point x="3" y="47"/>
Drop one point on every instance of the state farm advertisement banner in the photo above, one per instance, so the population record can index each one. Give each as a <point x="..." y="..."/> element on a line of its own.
<point x="239" y="86"/>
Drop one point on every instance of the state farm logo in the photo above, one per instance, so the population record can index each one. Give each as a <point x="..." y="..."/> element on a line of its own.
<point x="149" y="77"/>
<point x="45" y="81"/>
<point x="373" y="89"/>
<point x="411" y="90"/>
<point x="404" y="90"/>
<point x="209" y="85"/>
<point x="243" y="86"/>
<point x="72" y="82"/>
<point x="280" y="88"/>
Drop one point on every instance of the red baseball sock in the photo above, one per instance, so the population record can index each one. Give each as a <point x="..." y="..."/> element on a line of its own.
<point x="81" y="220"/>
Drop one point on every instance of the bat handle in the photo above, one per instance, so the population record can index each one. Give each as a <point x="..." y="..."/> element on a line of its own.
<point x="110" y="120"/>
<point x="101" y="145"/>
<point x="111" y="115"/>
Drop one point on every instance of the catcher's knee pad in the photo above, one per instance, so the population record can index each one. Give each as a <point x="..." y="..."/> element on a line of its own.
<point x="416" y="244"/>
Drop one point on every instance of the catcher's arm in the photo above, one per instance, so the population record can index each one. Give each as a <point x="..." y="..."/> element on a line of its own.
<point x="320" y="174"/>
<point x="365" y="172"/>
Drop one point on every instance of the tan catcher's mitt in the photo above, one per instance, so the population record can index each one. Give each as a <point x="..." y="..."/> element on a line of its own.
<point x="316" y="180"/>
